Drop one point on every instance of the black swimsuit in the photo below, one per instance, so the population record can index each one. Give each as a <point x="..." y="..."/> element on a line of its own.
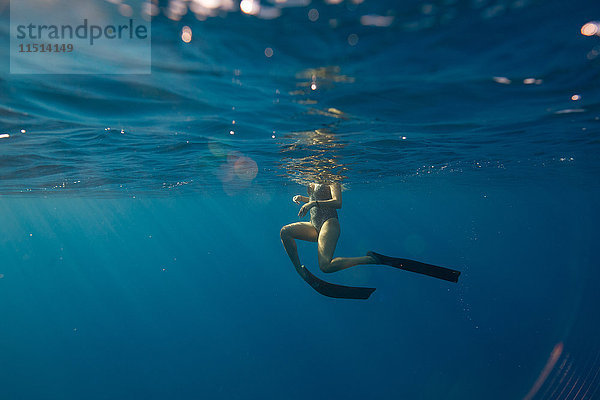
<point x="320" y="214"/>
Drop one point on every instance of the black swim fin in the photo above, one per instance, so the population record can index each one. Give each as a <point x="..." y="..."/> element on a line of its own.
<point x="416" y="266"/>
<point x="332" y="290"/>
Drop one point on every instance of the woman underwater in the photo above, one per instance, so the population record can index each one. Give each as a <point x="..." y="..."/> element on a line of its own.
<point x="324" y="228"/>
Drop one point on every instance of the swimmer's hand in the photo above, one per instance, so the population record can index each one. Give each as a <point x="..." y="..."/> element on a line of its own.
<point x="304" y="209"/>
<point x="297" y="199"/>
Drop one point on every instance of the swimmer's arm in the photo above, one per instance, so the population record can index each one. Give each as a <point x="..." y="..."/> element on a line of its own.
<point x="336" y="197"/>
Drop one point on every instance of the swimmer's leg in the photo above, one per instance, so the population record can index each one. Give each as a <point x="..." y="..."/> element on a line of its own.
<point x="298" y="230"/>
<point x="328" y="237"/>
<point x="305" y="231"/>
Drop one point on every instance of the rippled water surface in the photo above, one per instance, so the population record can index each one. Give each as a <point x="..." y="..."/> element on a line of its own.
<point x="445" y="86"/>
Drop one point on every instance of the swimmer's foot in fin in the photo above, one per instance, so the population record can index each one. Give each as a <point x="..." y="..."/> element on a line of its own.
<point x="332" y="290"/>
<point x="416" y="266"/>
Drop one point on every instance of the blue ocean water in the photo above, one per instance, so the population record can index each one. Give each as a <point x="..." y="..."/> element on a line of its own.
<point x="140" y="214"/>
